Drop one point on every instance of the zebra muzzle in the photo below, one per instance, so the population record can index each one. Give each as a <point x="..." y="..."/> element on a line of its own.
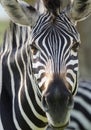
<point x="57" y="103"/>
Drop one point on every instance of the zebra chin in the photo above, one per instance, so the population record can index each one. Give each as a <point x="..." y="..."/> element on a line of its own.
<point x="57" y="103"/>
<point x="59" y="126"/>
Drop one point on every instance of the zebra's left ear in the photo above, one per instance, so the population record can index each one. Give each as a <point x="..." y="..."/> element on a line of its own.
<point x="79" y="9"/>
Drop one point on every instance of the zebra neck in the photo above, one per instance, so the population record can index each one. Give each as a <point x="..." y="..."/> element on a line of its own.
<point x="35" y="86"/>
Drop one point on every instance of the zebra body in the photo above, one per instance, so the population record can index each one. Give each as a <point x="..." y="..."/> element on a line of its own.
<point x="18" y="90"/>
<point x="19" y="69"/>
<point x="38" y="67"/>
<point x="81" y="114"/>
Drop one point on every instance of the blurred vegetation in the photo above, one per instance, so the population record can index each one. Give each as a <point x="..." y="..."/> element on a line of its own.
<point x="30" y="1"/>
<point x="84" y="29"/>
<point x="3" y="26"/>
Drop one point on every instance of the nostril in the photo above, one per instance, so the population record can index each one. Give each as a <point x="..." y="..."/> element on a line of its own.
<point x="45" y="103"/>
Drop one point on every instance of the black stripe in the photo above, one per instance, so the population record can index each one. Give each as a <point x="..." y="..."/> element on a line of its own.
<point x="78" y="122"/>
<point x="28" y="111"/>
<point x="70" y="77"/>
<point x="22" y="123"/>
<point x="6" y="110"/>
<point x="84" y="97"/>
<point x="32" y="96"/>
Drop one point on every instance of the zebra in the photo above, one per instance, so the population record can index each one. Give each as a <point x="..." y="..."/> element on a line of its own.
<point x="81" y="114"/>
<point x="39" y="64"/>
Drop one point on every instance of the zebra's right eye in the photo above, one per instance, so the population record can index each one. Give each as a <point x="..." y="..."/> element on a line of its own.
<point x="76" y="46"/>
<point x="34" y="49"/>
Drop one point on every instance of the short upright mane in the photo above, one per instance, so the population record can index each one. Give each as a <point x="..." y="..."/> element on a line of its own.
<point x="52" y="5"/>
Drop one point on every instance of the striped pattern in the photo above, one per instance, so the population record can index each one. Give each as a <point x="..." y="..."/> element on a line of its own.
<point x="25" y="59"/>
<point x="81" y="114"/>
<point x="53" y="43"/>
<point x="16" y="84"/>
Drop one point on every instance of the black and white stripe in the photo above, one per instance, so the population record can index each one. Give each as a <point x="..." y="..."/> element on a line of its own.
<point x="18" y="87"/>
<point x="16" y="77"/>
<point x="30" y="59"/>
<point x="55" y="43"/>
<point x="81" y="114"/>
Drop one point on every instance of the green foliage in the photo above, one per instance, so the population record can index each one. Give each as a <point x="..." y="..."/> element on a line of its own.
<point x="30" y="1"/>
<point x="3" y="26"/>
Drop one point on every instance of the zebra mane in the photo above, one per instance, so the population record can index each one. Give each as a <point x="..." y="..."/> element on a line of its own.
<point x="52" y="5"/>
<point x="22" y="13"/>
<point x="78" y="10"/>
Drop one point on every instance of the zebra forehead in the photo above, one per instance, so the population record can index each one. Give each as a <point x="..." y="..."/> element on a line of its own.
<point x="61" y="31"/>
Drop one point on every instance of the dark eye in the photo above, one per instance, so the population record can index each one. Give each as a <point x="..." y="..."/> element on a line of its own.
<point x="75" y="46"/>
<point x="34" y="49"/>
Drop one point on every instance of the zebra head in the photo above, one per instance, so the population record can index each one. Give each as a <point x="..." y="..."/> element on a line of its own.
<point x="55" y="65"/>
<point x="54" y="53"/>
<point x="55" y="44"/>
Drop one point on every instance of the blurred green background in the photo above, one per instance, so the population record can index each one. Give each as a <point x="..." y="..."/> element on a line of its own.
<point x="3" y="26"/>
<point x="4" y="21"/>
<point x="84" y="29"/>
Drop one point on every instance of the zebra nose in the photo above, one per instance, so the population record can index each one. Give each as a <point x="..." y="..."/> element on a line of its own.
<point x="50" y="101"/>
<point x="57" y="96"/>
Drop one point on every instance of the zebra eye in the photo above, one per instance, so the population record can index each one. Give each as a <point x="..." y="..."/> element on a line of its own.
<point x="34" y="49"/>
<point x="75" y="46"/>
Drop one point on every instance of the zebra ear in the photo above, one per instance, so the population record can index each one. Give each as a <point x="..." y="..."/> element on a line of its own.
<point x="20" y="12"/>
<point x="80" y="9"/>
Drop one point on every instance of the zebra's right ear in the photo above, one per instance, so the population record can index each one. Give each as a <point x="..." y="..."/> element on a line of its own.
<point x="79" y="9"/>
<point x="20" y="12"/>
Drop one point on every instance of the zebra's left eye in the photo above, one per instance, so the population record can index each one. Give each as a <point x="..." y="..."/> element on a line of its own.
<point x="75" y="46"/>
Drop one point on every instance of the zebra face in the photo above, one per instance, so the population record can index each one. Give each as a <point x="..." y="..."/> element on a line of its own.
<point x="55" y="66"/>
